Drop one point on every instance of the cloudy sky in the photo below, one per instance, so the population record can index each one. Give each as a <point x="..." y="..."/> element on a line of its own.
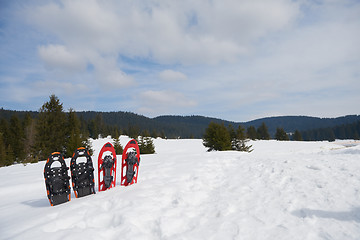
<point x="232" y="59"/>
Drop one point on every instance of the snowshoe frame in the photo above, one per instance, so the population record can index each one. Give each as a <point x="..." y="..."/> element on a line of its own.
<point x="82" y="174"/>
<point x="130" y="163"/>
<point x="106" y="168"/>
<point x="57" y="180"/>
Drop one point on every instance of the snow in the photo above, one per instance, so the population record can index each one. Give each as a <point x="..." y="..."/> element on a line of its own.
<point x="281" y="190"/>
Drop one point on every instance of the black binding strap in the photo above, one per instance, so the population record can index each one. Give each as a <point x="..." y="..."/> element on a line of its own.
<point x="131" y="160"/>
<point x="107" y="164"/>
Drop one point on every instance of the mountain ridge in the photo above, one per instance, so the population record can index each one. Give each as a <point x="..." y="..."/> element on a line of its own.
<point x="193" y="126"/>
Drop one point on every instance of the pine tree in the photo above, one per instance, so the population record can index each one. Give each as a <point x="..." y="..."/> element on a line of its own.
<point x="133" y="131"/>
<point x="116" y="141"/>
<point x="87" y="144"/>
<point x="146" y="144"/>
<point x="281" y="135"/>
<point x="217" y="137"/>
<point x="10" y="157"/>
<point x="233" y="137"/>
<point x="251" y="133"/>
<point x="262" y="132"/>
<point x="17" y="138"/>
<point x="74" y="138"/>
<point x="29" y="126"/>
<point x="3" y="154"/>
<point x="297" y="136"/>
<point x="241" y="141"/>
<point x="51" y="129"/>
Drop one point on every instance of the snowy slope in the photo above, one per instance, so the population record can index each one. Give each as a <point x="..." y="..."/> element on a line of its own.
<point x="282" y="190"/>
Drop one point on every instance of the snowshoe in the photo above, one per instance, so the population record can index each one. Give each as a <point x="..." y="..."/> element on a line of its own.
<point x="82" y="173"/>
<point x="57" y="180"/>
<point x="130" y="163"/>
<point x="107" y="167"/>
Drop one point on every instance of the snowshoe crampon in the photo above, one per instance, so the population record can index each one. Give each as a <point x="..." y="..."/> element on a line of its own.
<point x="130" y="163"/>
<point x="107" y="167"/>
<point x="82" y="173"/>
<point x="57" y="179"/>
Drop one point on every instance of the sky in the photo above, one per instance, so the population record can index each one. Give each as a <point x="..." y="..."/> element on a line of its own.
<point x="231" y="59"/>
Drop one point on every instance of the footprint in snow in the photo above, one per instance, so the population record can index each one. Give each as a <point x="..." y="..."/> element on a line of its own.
<point x="313" y="168"/>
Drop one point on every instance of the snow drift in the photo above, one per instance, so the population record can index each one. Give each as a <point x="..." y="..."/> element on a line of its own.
<point x="281" y="190"/>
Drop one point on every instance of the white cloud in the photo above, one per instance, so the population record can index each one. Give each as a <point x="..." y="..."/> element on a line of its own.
<point x="172" y="76"/>
<point x="161" y="102"/>
<point x="108" y="74"/>
<point x="169" y="32"/>
<point x="58" y="57"/>
<point x="63" y="88"/>
<point x="235" y="54"/>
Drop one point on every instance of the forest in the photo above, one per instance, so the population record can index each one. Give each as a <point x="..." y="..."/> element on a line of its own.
<point x="30" y="136"/>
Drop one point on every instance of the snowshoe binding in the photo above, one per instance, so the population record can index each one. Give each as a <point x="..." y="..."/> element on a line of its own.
<point x="57" y="179"/>
<point x="82" y="173"/>
<point x="130" y="163"/>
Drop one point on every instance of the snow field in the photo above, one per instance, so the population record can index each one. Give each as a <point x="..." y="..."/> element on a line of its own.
<point x="281" y="190"/>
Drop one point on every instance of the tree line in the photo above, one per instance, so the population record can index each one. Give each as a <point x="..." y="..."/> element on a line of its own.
<point x="33" y="138"/>
<point x="344" y="131"/>
<point x="220" y="138"/>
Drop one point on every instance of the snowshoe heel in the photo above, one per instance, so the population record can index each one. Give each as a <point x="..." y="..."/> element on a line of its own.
<point x="107" y="181"/>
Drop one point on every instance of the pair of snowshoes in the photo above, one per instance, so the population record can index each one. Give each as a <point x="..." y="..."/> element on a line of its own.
<point x="107" y="165"/>
<point x="57" y="180"/>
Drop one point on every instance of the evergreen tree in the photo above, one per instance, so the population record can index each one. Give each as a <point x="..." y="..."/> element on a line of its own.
<point x="233" y="137"/>
<point x="251" y="133"/>
<point x="50" y="129"/>
<point x="217" y="137"/>
<point x="239" y="142"/>
<point x="297" y="136"/>
<point x="10" y="157"/>
<point x="146" y="144"/>
<point x="4" y="129"/>
<point x="74" y="137"/>
<point x="99" y="122"/>
<point x="281" y="135"/>
<point x="87" y="144"/>
<point x="116" y="141"/>
<point x="93" y="129"/>
<point x="262" y="132"/>
<point x="133" y="131"/>
<point x="3" y="155"/>
<point x="15" y="138"/>
<point x="29" y="126"/>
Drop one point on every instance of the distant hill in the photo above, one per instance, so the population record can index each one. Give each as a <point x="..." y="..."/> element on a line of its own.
<point x="301" y="123"/>
<point x="194" y="126"/>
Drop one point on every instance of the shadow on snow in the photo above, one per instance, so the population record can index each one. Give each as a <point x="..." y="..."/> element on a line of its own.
<point x="351" y="215"/>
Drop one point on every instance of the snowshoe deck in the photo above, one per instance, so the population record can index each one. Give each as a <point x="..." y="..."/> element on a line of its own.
<point x="130" y="163"/>
<point x="82" y="173"/>
<point x="107" y="167"/>
<point x="57" y="180"/>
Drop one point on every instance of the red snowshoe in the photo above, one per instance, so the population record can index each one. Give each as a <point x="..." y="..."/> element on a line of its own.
<point x="107" y="167"/>
<point x="130" y="163"/>
<point x="57" y="179"/>
<point x="82" y="173"/>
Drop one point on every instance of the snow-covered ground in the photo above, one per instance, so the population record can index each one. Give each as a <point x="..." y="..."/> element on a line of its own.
<point x="281" y="190"/>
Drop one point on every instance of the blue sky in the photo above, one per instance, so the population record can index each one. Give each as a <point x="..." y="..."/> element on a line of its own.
<point x="235" y="60"/>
